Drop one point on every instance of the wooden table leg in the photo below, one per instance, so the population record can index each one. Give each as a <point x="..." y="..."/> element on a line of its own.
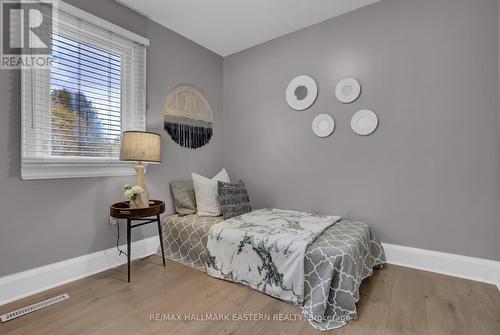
<point x="129" y="238"/>
<point x="160" y="234"/>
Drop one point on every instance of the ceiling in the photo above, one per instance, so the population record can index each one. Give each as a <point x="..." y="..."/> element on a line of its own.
<point x="229" y="26"/>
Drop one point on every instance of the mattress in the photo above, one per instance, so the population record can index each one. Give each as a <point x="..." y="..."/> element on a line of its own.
<point x="185" y="238"/>
<point x="335" y="263"/>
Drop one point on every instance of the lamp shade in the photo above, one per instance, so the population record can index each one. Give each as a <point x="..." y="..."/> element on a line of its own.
<point x="141" y="146"/>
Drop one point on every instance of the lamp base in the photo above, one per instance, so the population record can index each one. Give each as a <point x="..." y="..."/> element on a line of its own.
<point x="143" y="199"/>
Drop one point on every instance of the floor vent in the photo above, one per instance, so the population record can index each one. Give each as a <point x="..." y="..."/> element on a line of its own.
<point x="39" y="305"/>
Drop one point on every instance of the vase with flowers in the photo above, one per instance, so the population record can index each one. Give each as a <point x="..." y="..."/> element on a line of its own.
<point x="133" y="193"/>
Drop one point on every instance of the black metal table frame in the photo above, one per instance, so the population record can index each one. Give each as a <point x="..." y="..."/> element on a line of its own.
<point x="129" y="237"/>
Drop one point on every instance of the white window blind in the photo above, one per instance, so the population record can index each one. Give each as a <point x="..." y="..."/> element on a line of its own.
<point x="74" y="113"/>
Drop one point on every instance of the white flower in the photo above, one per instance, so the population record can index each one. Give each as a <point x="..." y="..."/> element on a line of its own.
<point x="131" y="192"/>
<point x="128" y="194"/>
<point x="137" y="190"/>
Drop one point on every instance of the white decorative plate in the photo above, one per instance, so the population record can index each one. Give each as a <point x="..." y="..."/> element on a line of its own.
<point x="364" y="122"/>
<point x="347" y="90"/>
<point x="301" y="92"/>
<point x="323" y="125"/>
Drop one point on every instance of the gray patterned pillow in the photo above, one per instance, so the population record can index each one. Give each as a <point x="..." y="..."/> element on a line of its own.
<point x="234" y="199"/>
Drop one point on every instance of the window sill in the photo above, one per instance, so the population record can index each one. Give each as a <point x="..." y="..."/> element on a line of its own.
<point x="31" y="171"/>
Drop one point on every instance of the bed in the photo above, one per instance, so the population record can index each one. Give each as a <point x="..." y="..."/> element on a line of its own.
<point x="335" y="263"/>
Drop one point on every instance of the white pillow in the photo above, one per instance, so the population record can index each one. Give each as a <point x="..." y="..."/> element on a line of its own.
<point x="205" y="191"/>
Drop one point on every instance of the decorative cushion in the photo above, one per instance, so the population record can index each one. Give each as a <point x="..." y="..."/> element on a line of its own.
<point x="184" y="198"/>
<point x="205" y="191"/>
<point x="234" y="199"/>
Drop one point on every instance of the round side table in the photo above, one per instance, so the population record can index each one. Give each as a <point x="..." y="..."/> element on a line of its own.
<point x="121" y="210"/>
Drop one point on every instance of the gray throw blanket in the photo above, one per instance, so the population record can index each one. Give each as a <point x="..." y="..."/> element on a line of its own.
<point x="335" y="265"/>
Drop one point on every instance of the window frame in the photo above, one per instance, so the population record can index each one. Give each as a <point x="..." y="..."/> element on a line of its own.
<point x="74" y="167"/>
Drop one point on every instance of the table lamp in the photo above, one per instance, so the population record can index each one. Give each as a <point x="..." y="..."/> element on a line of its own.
<point x="141" y="147"/>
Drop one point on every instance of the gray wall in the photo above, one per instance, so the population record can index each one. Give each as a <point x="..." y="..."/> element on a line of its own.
<point x="46" y="221"/>
<point x="429" y="176"/>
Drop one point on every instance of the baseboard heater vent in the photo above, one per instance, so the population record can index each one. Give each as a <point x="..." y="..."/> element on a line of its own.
<point x="29" y="309"/>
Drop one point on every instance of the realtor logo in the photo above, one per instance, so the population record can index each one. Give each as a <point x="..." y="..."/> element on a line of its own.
<point x="27" y="28"/>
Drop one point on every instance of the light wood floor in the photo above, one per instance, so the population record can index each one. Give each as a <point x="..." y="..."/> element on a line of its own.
<point x="395" y="300"/>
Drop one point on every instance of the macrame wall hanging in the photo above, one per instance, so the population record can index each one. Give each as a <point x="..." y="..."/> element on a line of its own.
<point x="188" y="117"/>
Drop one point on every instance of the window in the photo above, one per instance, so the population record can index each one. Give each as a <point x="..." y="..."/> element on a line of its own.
<point x="74" y="113"/>
<point x="85" y="100"/>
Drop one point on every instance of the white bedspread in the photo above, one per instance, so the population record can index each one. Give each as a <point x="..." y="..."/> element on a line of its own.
<point x="265" y="250"/>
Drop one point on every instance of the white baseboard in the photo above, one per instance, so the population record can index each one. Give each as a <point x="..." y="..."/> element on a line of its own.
<point x="25" y="283"/>
<point x="477" y="269"/>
